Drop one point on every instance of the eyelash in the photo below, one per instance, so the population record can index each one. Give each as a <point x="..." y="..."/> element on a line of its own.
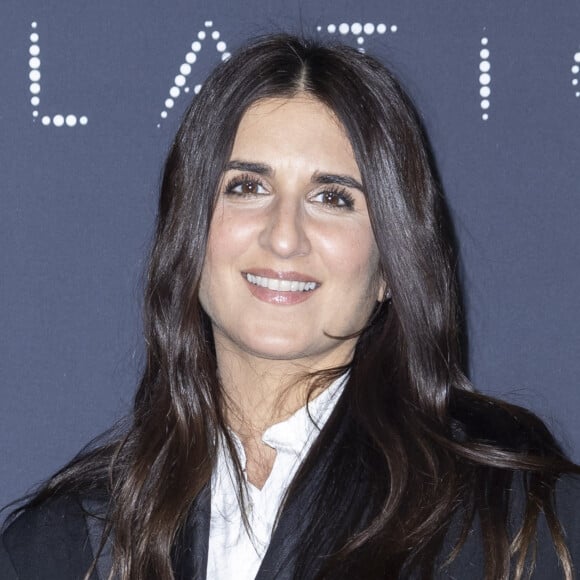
<point x="337" y="192"/>
<point x="340" y="193"/>
<point x="242" y="180"/>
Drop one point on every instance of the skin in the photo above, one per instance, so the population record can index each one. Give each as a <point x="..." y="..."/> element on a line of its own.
<point x="275" y="218"/>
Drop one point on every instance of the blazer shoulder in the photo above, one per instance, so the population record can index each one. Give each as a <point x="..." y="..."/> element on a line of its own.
<point x="48" y="541"/>
<point x="568" y="512"/>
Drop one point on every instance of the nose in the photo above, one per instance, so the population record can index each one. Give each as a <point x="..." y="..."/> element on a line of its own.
<point x="285" y="232"/>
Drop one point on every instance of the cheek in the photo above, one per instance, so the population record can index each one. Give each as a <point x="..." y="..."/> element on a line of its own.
<point x="229" y="237"/>
<point x="354" y="254"/>
<point x="225" y="238"/>
<point x="229" y="233"/>
<point x="214" y="256"/>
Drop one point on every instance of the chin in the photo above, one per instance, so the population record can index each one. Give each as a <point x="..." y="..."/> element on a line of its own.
<point x="283" y="349"/>
<point x="275" y="350"/>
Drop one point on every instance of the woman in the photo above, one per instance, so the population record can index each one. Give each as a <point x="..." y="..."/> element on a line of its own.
<point x="301" y="254"/>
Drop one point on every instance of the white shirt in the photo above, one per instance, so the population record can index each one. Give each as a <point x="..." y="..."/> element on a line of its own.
<point x="233" y="553"/>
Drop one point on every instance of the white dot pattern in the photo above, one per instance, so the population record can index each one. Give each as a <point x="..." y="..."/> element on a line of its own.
<point x="180" y="82"/>
<point x="35" y="88"/>
<point x="358" y="30"/>
<point x="484" y="78"/>
<point x="575" y="70"/>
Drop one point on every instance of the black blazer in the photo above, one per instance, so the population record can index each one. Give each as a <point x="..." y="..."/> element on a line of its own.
<point x="57" y="540"/>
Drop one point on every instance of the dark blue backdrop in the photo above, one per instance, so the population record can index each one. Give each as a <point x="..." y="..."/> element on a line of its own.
<point x="82" y="138"/>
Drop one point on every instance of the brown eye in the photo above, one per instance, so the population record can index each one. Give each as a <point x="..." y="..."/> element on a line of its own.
<point x="248" y="187"/>
<point x="332" y="199"/>
<point x="245" y="187"/>
<point x="336" y="199"/>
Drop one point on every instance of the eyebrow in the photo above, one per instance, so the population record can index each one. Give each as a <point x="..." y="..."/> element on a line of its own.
<point x="320" y="178"/>
<point x="259" y="168"/>
<point x="330" y="178"/>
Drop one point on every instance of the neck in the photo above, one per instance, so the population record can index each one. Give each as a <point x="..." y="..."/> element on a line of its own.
<point x="261" y="392"/>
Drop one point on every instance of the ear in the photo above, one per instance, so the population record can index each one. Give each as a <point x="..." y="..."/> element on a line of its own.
<point x="384" y="293"/>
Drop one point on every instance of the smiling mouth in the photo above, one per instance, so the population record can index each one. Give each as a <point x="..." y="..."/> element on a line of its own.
<point x="280" y="285"/>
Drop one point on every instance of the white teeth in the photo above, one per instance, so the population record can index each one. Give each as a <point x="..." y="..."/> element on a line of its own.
<point x="280" y="285"/>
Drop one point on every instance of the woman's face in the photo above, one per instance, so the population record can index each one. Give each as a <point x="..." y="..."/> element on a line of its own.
<point x="291" y="255"/>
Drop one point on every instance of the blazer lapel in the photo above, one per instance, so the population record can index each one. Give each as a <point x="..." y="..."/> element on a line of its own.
<point x="190" y="553"/>
<point x="191" y="549"/>
<point x="278" y="561"/>
<point x="296" y="515"/>
<point x="339" y="444"/>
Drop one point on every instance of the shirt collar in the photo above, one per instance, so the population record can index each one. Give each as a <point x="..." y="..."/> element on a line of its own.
<point x="296" y="434"/>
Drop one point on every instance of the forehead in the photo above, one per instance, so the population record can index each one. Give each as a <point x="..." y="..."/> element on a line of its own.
<point x="299" y="128"/>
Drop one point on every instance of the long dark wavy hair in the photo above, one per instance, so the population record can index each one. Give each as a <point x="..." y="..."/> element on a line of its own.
<point x="425" y="445"/>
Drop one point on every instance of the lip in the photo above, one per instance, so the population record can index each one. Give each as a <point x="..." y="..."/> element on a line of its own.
<point x="286" y="275"/>
<point x="278" y="297"/>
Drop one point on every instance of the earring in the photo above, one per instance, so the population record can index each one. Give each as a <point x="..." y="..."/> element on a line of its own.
<point x="386" y="296"/>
